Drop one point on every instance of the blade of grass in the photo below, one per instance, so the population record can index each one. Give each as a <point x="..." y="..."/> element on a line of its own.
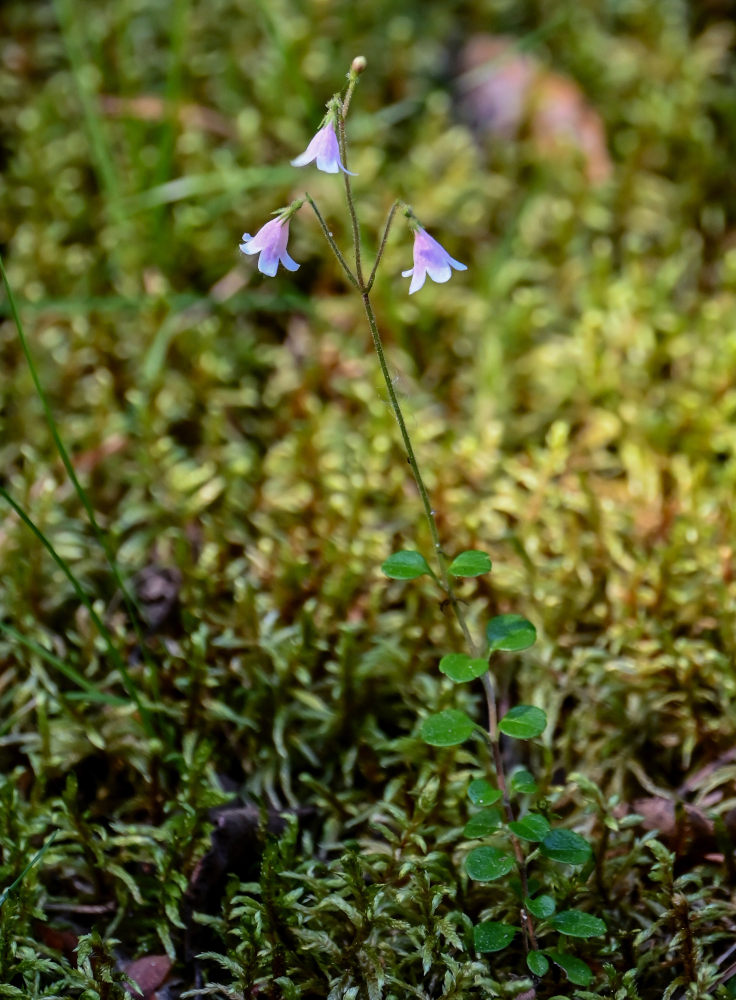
<point x="81" y="493"/>
<point x="89" y="690"/>
<point x="115" y="656"/>
<point x="34" y="861"/>
<point x="168" y="132"/>
<point x="93" y="121"/>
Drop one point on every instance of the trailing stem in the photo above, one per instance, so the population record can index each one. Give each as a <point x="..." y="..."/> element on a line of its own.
<point x="526" y="918"/>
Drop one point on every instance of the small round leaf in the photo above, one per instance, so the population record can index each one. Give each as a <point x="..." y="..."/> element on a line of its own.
<point x="447" y="728"/>
<point x="522" y="782"/>
<point x="470" y="563"/>
<point x="531" y="827"/>
<point x="523" y="722"/>
<point x="577" y="924"/>
<point x="460" y="667"/>
<point x="541" y="907"/>
<point x="491" y="936"/>
<point x="484" y="864"/>
<point x="483" y="823"/>
<point x="574" y="968"/>
<point x="482" y="792"/>
<point x="567" y="847"/>
<point x="510" y="633"/>
<point x="405" y="565"/>
<point x="537" y="963"/>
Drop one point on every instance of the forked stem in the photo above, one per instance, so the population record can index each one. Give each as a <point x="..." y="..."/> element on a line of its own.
<point x="364" y="287"/>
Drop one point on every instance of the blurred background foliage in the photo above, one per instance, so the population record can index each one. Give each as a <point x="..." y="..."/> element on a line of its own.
<point x="571" y="397"/>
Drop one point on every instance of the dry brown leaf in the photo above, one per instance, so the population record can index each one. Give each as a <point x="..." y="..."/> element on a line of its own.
<point x="505" y="92"/>
<point x="149" y="973"/>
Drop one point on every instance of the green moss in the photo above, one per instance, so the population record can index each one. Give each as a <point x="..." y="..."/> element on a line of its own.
<point x="570" y="396"/>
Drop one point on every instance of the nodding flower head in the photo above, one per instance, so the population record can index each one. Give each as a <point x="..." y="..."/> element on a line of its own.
<point x="325" y="150"/>
<point x="430" y="258"/>
<point x="270" y="243"/>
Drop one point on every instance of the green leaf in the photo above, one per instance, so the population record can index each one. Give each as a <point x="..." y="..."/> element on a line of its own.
<point x="484" y="864"/>
<point x="482" y="792"/>
<point x="405" y="565"/>
<point x="483" y="823"/>
<point x="567" y="847"/>
<point x="577" y="924"/>
<point x="470" y="563"/>
<point x="460" y="667"/>
<point x="523" y="722"/>
<point x="537" y="963"/>
<point x="490" y="936"/>
<point x="531" y="827"/>
<point x="541" y="907"/>
<point x="523" y="782"/>
<point x="574" y="968"/>
<point x="447" y="728"/>
<point x="511" y="633"/>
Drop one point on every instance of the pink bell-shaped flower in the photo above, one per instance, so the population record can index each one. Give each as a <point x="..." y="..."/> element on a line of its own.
<point x="430" y="258"/>
<point x="325" y="150"/>
<point x="270" y="243"/>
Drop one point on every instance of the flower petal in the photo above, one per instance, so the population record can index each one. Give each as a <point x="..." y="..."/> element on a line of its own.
<point x="327" y="163"/>
<point x="439" y="272"/>
<point x="407" y="274"/>
<point x="289" y="263"/>
<point x="303" y="159"/>
<point x="417" y="281"/>
<point x="268" y="264"/>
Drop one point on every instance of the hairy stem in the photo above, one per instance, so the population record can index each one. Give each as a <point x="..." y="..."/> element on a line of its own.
<point x="343" y="110"/>
<point x="382" y="245"/>
<point x="331" y="240"/>
<point x="428" y="510"/>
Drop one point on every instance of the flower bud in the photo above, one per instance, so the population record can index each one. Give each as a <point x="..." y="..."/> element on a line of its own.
<point x="358" y="65"/>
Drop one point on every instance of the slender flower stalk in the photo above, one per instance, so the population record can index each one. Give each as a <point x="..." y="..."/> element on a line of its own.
<point x="382" y="245"/>
<point x="342" y="114"/>
<point x="331" y="240"/>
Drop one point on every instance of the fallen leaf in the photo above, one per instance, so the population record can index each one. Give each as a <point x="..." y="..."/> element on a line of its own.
<point x="149" y="973"/>
<point x="504" y="92"/>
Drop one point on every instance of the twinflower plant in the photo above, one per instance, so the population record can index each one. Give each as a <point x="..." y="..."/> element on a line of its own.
<point x="541" y="869"/>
